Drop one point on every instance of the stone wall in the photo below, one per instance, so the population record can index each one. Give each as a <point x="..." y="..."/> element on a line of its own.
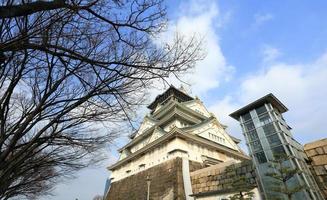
<point x="166" y="183"/>
<point x="317" y="153"/>
<point x="195" y="166"/>
<point x="216" y="179"/>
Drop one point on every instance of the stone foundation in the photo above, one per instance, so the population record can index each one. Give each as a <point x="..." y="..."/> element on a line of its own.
<point x="216" y="179"/>
<point x="317" y="153"/>
<point x="166" y="183"/>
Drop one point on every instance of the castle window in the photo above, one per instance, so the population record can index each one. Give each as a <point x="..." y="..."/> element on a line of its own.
<point x="216" y="138"/>
<point x="141" y="166"/>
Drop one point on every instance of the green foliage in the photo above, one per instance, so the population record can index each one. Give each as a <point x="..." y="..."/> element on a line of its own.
<point x="239" y="184"/>
<point x="281" y="172"/>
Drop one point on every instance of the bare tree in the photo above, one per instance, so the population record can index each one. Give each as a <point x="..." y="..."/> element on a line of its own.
<point x="66" y="65"/>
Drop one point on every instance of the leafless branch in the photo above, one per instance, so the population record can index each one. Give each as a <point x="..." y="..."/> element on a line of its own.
<point x="67" y="66"/>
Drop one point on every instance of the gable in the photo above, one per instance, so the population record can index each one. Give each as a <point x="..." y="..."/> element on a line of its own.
<point x="146" y="124"/>
<point x="216" y="133"/>
<point x="124" y="154"/>
<point x="198" y="107"/>
<point x="157" y="133"/>
<point x="140" y="144"/>
<point x="178" y="122"/>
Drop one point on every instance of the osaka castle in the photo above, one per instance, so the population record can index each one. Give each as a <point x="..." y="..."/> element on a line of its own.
<point x="179" y="152"/>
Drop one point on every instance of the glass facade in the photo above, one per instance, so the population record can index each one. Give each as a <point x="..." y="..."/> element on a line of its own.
<point x="269" y="129"/>
<point x="273" y="140"/>
<point x="253" y="135"/>
<point x="256" y="146"/>
<point x="268" y="137"/>
<point x="260" y="157"/>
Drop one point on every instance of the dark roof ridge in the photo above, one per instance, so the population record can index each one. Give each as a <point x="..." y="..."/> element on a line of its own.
<point x="270" y="98"/>
<point x="161" y="97"/>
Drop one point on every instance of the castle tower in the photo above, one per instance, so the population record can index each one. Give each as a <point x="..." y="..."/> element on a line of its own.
<point x="177" y="137"/>
<point x="268" y="136"/>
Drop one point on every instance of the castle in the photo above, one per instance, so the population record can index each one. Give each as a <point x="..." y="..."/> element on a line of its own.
<point x="169" y="157"/>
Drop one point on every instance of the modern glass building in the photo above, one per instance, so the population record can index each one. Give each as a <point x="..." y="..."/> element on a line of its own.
<point x="267" y="136"/>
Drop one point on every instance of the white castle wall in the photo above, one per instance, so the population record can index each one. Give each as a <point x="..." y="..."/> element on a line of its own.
<point x="159" y="155"/>
<point x="212" y="131"/>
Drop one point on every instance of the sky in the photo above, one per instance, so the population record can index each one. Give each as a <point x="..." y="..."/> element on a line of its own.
<point x="252" y="48"/>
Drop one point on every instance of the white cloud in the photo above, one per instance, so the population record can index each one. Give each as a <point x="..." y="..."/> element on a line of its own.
<point x="201" y="18"/>
<point x="261" y="18"/>
<point x="301" y="87"/>
<point x="222" y="109"/>
<point x="270" y="54"/>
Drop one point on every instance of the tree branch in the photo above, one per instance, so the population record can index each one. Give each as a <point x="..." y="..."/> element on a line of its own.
<point x="10" y="11"/>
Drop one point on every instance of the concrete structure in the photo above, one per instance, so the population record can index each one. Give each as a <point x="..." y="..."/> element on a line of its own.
<point x="317" y="154"/>
<point x="177" y="137"/>
<point x="267" y="136"/>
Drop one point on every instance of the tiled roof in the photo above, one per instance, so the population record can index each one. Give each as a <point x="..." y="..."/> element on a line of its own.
<point x="171" y="91"/>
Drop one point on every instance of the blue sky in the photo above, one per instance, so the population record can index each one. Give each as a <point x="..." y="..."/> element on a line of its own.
<point x="253" y="48"/>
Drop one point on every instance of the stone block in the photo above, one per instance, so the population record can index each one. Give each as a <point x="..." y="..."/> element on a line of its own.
<point x="320" y="150"/>
<point x="320" y="160"/>
<point x="320" y="170"/>
<point x="162" y="180"/>
<point x="315" y="144"/>
<point x="311" y="152"/>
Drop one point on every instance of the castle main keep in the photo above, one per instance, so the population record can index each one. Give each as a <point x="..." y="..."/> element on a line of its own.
<point x="177" y="138"/>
